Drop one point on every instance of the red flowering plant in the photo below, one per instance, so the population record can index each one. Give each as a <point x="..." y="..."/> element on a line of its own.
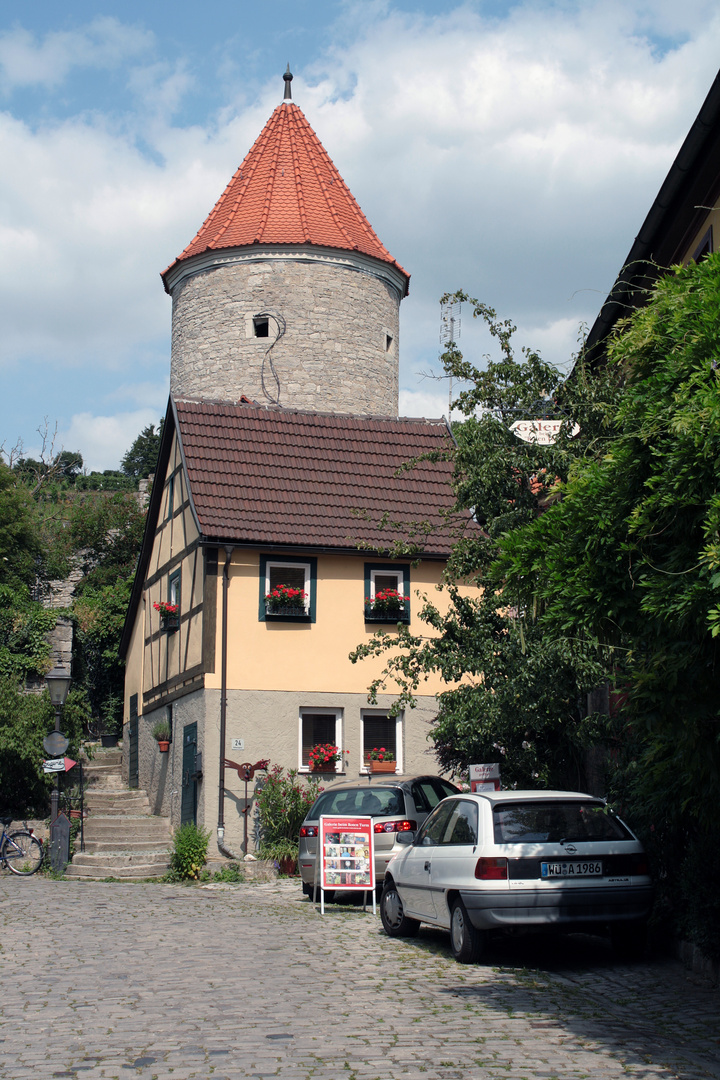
<point x="386" y="601"/>
<point x="379" y="753"/>
<point x="325" y="754"/>
<point x="284" y="597"/>
<point x="167" y="611"/>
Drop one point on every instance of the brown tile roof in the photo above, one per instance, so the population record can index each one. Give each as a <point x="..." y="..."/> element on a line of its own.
<point x="287" y="191"/>
<point x="275" y="476"/>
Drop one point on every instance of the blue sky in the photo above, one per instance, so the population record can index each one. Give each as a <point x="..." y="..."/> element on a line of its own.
<point x="508" y="149"/>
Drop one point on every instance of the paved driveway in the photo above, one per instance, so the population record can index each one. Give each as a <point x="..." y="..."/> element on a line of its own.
<point x="121" y="980"/>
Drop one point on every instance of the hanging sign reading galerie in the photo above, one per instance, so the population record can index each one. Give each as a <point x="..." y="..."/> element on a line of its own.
<point x="485" y="777"/>
<point x="347" y="859"/>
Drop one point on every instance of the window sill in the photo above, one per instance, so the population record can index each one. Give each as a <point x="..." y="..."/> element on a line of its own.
<point x="304" y="771"/>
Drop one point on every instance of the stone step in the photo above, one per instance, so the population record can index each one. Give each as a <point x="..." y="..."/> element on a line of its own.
<point x="99" y="872"/>
<point x="121" y="858"/>
<point x="129" y="845"/>
<point x="103" y="756"/>
<point x="121" y="798"/>
<point x="110" y="828"/>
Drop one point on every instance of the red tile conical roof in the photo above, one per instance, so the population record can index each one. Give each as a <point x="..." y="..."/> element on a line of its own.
<point x="287" y="191"/>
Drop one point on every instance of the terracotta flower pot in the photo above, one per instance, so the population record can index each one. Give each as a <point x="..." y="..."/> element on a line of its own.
<point x="383" y="766"/>
<point x="323" y="766"/>
<point x="163" y="745"/>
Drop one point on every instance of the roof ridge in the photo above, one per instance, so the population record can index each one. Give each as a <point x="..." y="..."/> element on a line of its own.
<point x="328" y="201"/>
<point x="298" y="183"/>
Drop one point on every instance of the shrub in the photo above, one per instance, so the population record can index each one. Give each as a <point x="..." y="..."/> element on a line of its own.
<point x="283" y="802"/>
<point x="230" y="874"/>
<point x="189" y="855"/>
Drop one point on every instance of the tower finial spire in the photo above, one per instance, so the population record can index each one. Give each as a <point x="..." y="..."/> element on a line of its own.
<point x="288" y="79"/>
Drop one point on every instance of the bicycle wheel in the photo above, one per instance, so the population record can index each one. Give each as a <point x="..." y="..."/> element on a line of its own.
<point x="23" y="853"/>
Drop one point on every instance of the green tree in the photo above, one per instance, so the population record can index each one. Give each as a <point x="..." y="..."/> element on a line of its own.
<point x="20" y="546"/>
<point x="141" y="459"/>
<point x="99" y="616"/>
<point x="521" y="700"/>
<point x="25" y="719"/>
<point x="631" y="555"/>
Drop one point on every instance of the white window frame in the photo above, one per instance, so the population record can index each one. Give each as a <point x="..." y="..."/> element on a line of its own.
<point x="274" y="563"/>
<point x="399" y="578"/>
<point x="309" y="710"/>
<point x="399" y="749"/>
<point x="175" y="586"/>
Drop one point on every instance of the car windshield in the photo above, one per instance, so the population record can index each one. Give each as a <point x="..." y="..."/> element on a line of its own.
<point x="364" y="800"/>
<point x="554" y="822"/>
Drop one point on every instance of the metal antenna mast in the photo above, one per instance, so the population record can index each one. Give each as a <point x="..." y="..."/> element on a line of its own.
<point x="449" y="335"/>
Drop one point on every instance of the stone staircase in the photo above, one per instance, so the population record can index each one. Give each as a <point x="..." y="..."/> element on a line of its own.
<point x="122" y="838"/>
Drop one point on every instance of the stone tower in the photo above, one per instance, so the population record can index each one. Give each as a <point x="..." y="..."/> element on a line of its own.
<point x="286" y="295"/>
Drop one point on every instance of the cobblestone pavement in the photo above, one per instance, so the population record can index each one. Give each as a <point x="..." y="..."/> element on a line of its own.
<point x="225" y="982"/>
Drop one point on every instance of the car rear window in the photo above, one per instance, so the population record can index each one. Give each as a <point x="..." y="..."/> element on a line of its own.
<point x="428" y="791"/>
<point x="369" y="802"/>
<point x="552" y="822"/>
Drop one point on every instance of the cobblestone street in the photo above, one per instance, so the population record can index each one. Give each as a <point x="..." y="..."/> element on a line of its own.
<point x="120" y="980"/>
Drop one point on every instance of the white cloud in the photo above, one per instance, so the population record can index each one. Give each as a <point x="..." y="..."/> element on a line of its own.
<point x="103" y="440"/>
<point x="514" y="157"/>
<point x="104" y="42"/>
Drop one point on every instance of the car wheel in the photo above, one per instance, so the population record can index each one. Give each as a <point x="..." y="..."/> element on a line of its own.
<point x="629" y="939"/>
<point x="465" y="941"/>
<point x="394" y="919"/>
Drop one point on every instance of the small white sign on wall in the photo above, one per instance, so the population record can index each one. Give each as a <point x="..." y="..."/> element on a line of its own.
<point x="238" y="744"/>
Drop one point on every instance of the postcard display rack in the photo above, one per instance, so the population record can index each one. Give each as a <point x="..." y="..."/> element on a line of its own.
<point x="346" y="857"/>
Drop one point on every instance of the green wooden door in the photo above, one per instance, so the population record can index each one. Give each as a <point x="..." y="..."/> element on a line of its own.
<point x="188" y="804"/>
<point x="133" y="757"/>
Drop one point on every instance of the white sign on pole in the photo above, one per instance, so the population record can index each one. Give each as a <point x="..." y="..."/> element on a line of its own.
<point x="543" y="432"/>
<point x="54" y="765"/>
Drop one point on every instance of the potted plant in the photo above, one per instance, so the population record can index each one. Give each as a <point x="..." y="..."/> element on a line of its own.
<point x="161" y="733"/>
<point x="323" y="757"/>
<point x="381" y="760"/>
<point x="169" y="620"/>
<point x="388" y="605"/>
<point x="285" y="600"/>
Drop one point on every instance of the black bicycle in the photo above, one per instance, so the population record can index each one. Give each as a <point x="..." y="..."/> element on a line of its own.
<point x="22" y="852"/>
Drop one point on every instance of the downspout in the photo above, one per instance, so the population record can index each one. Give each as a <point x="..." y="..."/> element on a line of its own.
<point x="223" y="706"/>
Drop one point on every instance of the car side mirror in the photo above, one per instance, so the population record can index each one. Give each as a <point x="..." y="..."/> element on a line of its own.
<point x="407" y="837"/>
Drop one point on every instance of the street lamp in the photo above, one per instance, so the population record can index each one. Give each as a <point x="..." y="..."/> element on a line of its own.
<point x="58" y="683"/>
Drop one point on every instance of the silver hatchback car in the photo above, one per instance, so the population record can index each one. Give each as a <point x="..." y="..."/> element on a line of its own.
<point x="397" y="803"/>
<point x="509" y="860"/>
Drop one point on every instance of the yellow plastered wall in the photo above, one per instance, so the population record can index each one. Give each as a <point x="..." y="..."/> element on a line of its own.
<point x="306" y="656"/>
<point x="713" y="218"/>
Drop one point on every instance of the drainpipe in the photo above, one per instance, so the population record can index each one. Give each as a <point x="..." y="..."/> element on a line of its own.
<point x="223" y="705"/>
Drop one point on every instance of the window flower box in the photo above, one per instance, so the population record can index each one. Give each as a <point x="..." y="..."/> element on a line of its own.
<point x="284" y="602"/>
<point x="169" y="616"/>
<point x="381" y="760"/>
<point x="387" y="606"/>
<point x="383" y="766"/>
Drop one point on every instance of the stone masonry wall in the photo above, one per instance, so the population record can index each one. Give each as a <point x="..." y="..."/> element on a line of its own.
<point x="339" y="352"/>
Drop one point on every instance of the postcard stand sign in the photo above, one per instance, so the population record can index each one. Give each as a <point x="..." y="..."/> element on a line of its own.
<point x="346" y="857"/>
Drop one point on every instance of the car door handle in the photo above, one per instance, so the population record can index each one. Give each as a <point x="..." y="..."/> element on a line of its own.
<point x="427" y="865"/>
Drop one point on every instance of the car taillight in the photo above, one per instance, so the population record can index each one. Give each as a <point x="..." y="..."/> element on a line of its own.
<point x="640" y="865"/>
<point x="394" y="826"/>
<point x="308" y="830"/>
<point x="491" y="870"/>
